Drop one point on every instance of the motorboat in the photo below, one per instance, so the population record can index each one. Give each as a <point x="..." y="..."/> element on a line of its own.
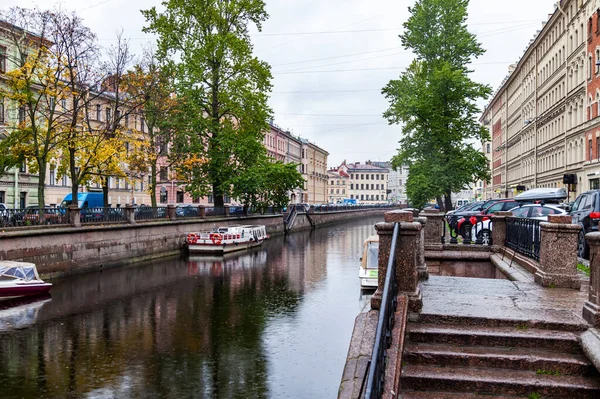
<point x="369" y="263"/>
<point x="19" y="279"/>
<point x="222" y="240"/>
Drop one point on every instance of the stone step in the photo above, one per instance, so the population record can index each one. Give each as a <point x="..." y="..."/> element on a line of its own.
<point x="452" y="395"/>
<point x="497" y="381"/>
<point x="563" y="341"/>
<point x="568" y="322"/>
<point x="516" y="358"/>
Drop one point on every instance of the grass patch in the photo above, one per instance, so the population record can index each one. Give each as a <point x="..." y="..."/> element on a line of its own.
<point x="521" y="327"/>
<point x="583" y="268"/>
<point x="547" y="372"/>
<point x="534" y="395"/>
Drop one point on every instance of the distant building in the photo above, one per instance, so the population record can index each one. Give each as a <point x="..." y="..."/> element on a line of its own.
<point x="368" y="183"/>
<point x="396" y="182"/>
<point x="314" y="171"/>
<point x="339" y="186"/>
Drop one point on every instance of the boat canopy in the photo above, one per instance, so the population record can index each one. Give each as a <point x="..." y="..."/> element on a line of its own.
<point x="543" y="194"/>
<point x="370" y="259"/>
<point x="18" y="270"/>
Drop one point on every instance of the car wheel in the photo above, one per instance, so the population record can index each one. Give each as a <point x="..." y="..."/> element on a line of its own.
<point x="583" y="250"/>
<point x="485" y="236"/>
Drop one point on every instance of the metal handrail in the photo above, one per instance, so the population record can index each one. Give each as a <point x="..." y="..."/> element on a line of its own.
<point x="524" y="235"/>
<point x="385" y="324"/>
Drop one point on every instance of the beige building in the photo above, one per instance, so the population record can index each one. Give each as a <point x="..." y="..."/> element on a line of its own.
<point x="539" y="116"/>
<point x="368" y="183"/>
<point x="339" y="186"/>
<point x="314" y="172"/>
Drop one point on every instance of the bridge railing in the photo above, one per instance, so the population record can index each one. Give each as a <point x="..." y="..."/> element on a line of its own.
<point x="375" y="374"/>
<point x="524" y="236"/>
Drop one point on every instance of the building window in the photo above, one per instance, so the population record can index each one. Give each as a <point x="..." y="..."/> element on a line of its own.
<point x="22" y="200"/>
<point x="210" y="199"/>
<point x="52" y="176"/>
<point x="362" y="186"/>
<point x="331" y="191"/>
<point x="164" y="173"/>
<point x="362" y="197"/>
<point x="2" y="197"/>
<point x="362" y="177"/>
<point x="590" y="145"/>
<point x="337" y="190"/>
<point x="372" y="187"/>
<point x="351" y="196"/>
<point x="400" y="183"/>
<point x="142" y="124"/>
<point x="367" y="176"/>
<point x="163" y="196"/>
<point x="64" y="180"/>
<point x="2" y="59"/>
<point x="351" y="186"/>
<point x="487" y="148"/>
<point x="98" y="113"/>
<point x="23" y="167"/>
<point x="108" y="114"/>
<point x="1" y="110"/>
<point x="195" y="200"/>
<point x="377" y="197"/>
<point x="179" y="196"/>
<point x="21" y="114"/>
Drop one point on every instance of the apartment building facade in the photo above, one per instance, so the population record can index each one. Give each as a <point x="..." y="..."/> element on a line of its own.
<point x="314" y="172"/>
<point x="368" y="182"/>
<point x="339" y="185"/>
<point x="539" y="117"/>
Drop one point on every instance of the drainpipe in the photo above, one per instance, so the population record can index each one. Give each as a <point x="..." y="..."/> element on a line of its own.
<point x="16" y="201"/>
<point x="566" y="91"/>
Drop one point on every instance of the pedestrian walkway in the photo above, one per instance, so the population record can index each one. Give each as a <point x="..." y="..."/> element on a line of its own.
<point x="500" y="338"/>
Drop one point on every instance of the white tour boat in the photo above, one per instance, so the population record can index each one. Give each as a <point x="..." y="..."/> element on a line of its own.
<point x="223" y="240"/>
<point x="369" y="263"/>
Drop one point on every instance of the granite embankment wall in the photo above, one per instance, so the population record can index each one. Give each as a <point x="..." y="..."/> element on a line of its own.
<point x="60" y="251"/>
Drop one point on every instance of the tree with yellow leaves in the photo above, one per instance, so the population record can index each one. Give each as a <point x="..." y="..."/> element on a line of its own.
<point x="33" y="89"/>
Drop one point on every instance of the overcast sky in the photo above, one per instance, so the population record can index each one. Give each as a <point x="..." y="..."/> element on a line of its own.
<point x="327" y="86"/>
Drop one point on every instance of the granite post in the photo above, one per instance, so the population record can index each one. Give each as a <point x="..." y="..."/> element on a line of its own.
<point x="499" y="229"/>
<point x="421" y="265"/>
<point x="405" y="257"/>
<point x="558" y="253"/>
<point x="434" y="229"/>
<point x="171" y="212"/>
<point x="74" y="212"/>
<point x="591" y="307"/>
<point x="201" y="211"/>
<point x="130" y="213"/>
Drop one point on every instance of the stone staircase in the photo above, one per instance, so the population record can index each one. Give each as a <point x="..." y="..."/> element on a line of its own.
<point x="466" y="357"/>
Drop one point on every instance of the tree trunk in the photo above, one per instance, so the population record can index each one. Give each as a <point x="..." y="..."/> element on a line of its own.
<point x="105" y="191"/>
<point x="41" y="190"/>
<point x="217" y="196"/>
<point x="153" y="185"/>
<point x="74" y="178"/>
<point x="448" y="200"/>
<point x="440" y="202"/>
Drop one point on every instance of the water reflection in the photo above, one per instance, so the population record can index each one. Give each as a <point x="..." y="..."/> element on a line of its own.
<point x="274" y="322"/>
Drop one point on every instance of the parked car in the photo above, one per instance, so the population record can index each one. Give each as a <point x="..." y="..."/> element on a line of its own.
<point x="483" y="229"/>
<point x="463" y="223"/>
<point x="586" y="213"/>
<point x="31" y="216"/>
<point x="187" y="210"/>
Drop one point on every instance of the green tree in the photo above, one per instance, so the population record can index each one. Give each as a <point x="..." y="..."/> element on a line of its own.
<point x="435" y="101"/>
<point x="225" y="88"/>
<point x="266" y="183"/>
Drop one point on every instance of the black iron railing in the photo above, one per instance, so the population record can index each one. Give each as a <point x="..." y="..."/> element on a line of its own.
<point x="476" y="229"/>
<point x="32" y="216"/>
<point x="385" y="324"/>
<point x="524" y="236"/>
<point x="102" y="215"/>
<point x="150" y="213"/>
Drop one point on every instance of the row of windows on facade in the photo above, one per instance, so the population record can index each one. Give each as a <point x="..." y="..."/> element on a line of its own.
<point x="331" y="183"/>
<point x="365" y="197"/>
<point x="366" y="186"/>
<point x="337" y="191"/>
<point x="22" y="199"/>
<point x="366" y="176"/>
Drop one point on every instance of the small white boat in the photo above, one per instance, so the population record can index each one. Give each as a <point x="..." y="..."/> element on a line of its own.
<point x="369" y="263"/>
<point x="19" y="279"/>
<point x="223" y="240"/>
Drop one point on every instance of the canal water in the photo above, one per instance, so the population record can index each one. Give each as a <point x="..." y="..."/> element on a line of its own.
<point x="275" y="322"/>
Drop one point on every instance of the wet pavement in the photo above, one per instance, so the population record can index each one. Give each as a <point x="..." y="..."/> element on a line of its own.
<point x="502" y="300"/>
<point x="274" y="322"/>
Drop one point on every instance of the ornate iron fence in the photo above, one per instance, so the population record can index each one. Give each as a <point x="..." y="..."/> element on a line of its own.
<point x="475" y="229"/>
<point x="149" y="213"/>
<point x="102" y="215"/>
<point x="383" y="336"/>
<point x="31" y="216"/>
<point x="524" y="236"/>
